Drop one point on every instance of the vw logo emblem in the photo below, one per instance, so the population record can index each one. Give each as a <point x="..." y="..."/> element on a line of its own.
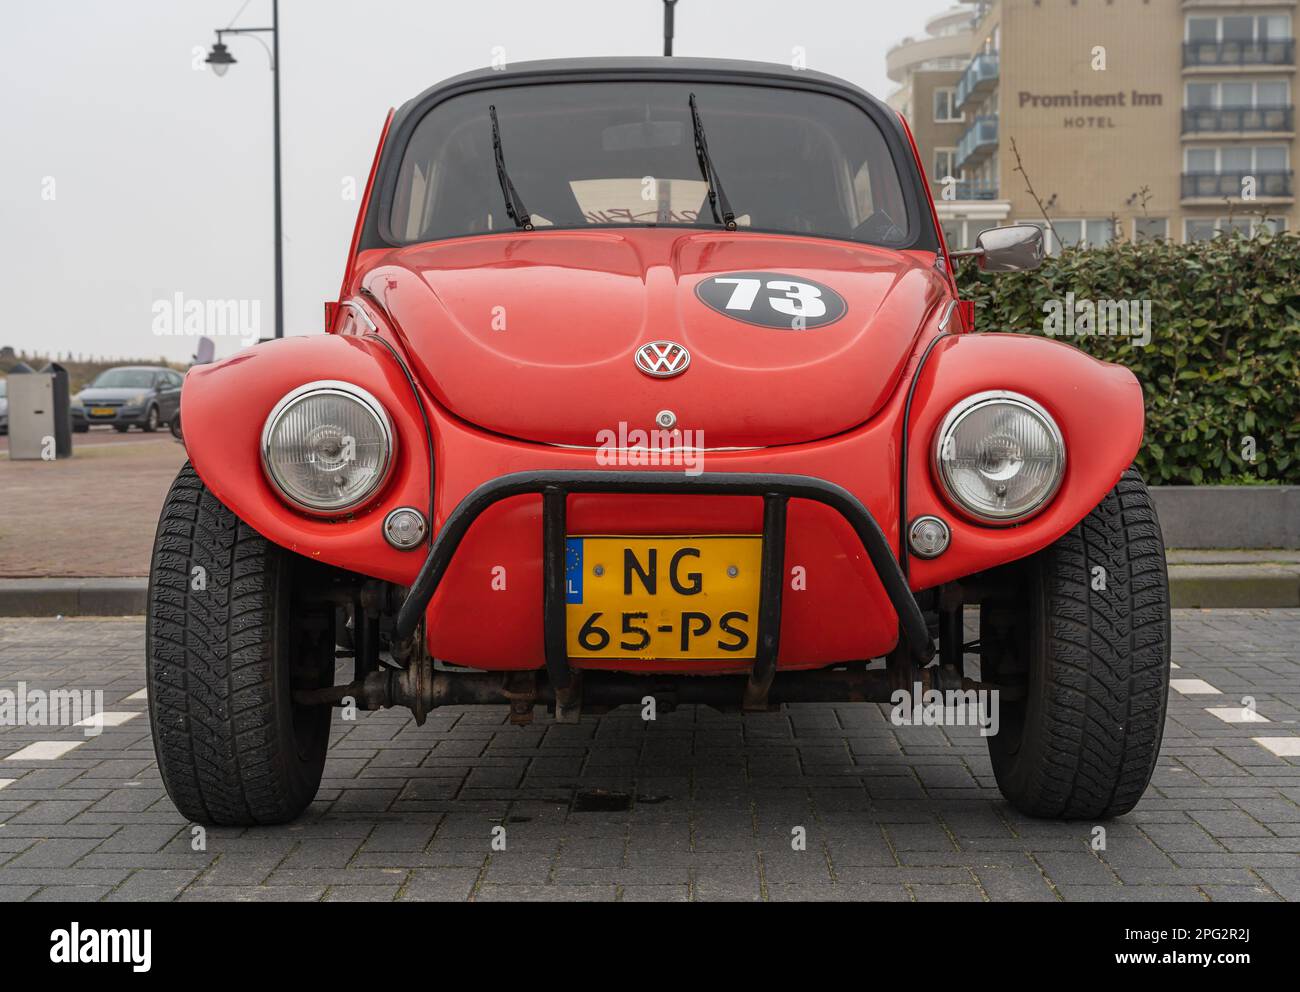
<point x="662" y="359"/>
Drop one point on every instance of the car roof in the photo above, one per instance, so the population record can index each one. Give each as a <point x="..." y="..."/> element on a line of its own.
<point x="572" y="70"/>
<point x="631" y="69"/>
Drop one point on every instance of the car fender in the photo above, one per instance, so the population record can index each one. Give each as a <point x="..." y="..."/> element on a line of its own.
<point x="1098" y="407"/>
<point x="225" y="405"/>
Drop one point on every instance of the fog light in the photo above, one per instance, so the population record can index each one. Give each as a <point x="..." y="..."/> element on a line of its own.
<point x="404" y="528"/>
<point x="928" y="537"/>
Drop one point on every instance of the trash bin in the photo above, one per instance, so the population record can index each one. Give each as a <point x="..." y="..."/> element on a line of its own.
<point x="31" y="415"/>
<point x="62" y="410"/>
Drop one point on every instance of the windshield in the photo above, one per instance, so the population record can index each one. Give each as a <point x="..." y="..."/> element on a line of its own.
<point x="610" y="154"/>
<point x="123" y="379"/>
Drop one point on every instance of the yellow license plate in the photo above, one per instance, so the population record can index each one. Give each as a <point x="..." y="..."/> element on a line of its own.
<point x="663" y="597"/>
<point x="102" y="411"/>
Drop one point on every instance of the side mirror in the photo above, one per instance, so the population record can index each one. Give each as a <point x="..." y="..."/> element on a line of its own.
<point x="1008" y="249"/>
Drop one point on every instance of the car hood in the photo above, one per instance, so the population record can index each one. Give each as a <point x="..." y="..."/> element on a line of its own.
<point x="534" y="335"/>
<point x="91" y="394"/>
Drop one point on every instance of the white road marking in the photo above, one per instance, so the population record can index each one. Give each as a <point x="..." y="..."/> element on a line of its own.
<point x="1283" y="747"/>
<point x="1174" y="664"/>
<point x="141" y="696"/>
<point x="7" y="781"/>
<point x="1236" y="714"/>
<point x="1194" y="687"/>
<point x="44" y="750"/>
<point x="113" y="718"/>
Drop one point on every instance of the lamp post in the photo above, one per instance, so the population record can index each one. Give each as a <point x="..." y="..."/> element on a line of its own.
<point x="668" y="26"/>
<point x="220" y="59"/>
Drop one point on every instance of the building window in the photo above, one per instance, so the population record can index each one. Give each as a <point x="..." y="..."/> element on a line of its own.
<point x="1207" y="228"/>
<point x="945" y="106"/>
<point x="1096" y="232"/>
<point x="1264" y="93"/>
<point x="954" y="233"/>
<point x="944" y="164"/>
<point x="1150" y="228"/>
<point x="1239" y="27"/>
<point x="1237" y="159"/>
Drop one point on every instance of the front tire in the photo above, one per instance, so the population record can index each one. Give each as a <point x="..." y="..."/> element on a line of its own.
<point x="224" y="638"/>
<point x="1090" y="643"/>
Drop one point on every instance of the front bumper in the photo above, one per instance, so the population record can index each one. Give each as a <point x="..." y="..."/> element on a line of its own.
<point x="775" y="490"/>
<point x="131" y="416"/>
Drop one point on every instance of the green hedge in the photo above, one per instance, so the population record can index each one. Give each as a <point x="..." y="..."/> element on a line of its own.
<point x="1223" y="361"/>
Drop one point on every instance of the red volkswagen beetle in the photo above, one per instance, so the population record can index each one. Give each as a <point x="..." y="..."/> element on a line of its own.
<point x="648" y="382"/>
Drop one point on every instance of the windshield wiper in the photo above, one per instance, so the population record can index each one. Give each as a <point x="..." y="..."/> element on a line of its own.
<point x="514" y="204"/>
<point x="717" y="198"/>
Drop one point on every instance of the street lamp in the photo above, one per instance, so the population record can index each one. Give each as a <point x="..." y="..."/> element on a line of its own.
<point x="668" y="26"/>
<point x="220" y="59"/>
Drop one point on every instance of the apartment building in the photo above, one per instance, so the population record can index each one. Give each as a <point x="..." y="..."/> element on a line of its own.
<point x="1129" y="118"/>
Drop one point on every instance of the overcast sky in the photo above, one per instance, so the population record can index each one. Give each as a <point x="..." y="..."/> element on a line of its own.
<point x="129" y="173"/>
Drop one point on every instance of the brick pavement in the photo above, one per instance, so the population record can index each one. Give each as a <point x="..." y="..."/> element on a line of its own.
<point x="694" y="806"/>
<point x="93" y="514"/>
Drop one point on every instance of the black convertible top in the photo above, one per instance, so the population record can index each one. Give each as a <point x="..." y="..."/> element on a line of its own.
<point x="631" y="67"/>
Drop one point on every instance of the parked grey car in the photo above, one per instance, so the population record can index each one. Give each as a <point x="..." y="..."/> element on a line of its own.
<point x="146" y="396"/>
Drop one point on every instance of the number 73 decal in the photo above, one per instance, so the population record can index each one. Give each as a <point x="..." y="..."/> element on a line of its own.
<point x="771" y="299"/>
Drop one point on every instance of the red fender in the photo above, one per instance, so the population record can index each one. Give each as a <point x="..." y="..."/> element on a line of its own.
<point x="1097" y="406"/>
<point x="225" y="405"/>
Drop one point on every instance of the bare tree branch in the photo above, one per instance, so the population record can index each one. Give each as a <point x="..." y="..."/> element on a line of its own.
<point x="1029" y="188"/>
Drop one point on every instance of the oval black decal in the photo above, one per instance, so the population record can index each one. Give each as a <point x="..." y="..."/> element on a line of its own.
<point x="772" y="299"/>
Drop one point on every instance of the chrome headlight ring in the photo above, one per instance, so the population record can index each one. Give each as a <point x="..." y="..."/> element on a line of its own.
<point x="381" y="444"/>
<point x="1026" y="435"/>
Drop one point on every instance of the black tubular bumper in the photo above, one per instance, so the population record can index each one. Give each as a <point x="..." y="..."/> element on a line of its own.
<point x="555" y="486"/>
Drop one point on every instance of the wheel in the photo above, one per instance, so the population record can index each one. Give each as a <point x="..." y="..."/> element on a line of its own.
<point x="82" y="428"/>
<point x="175" y="426"/>
<point x="1086" y="635"/>
<point x="121" y="428"/>
<point x="150" y="421"/>
<point x="226" y="642"/>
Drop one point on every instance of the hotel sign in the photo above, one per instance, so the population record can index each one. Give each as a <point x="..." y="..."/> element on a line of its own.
<point x="1078" y="101"/>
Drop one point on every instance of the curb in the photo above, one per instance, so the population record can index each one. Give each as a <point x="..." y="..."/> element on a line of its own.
<point x="1229" y="586"/>
<point x="73" y="597"/>
<point x="1196" y="586"/>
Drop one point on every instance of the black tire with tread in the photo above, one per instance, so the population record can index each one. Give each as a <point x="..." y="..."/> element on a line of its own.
<point x="1085" y="744"/>
<point x="231" y="747"/>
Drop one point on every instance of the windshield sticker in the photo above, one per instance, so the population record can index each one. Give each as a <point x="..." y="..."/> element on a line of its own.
<point x="771" y="299"/>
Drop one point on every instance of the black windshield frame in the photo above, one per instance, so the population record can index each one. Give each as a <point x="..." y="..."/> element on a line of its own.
<point x="378" y="234"/>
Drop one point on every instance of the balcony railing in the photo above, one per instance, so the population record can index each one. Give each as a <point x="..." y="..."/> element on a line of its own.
<point x="1228" y="119"/>
<point x="1217" y="185"/>
<point x="979" y="140"/>
<point x="969" y="189"/>
<point x="1209" y="54"/>
<point x="978" y="77"/>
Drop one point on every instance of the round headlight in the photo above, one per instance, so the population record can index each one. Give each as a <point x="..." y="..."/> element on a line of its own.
<point x="328" y="446"/>
<point x="999" y="456"/>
